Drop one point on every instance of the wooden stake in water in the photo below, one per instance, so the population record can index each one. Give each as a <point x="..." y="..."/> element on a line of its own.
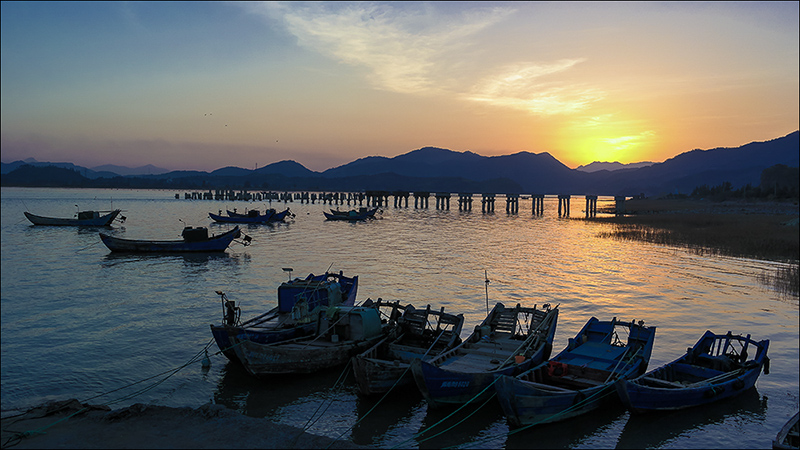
<point x="486" y="276"/>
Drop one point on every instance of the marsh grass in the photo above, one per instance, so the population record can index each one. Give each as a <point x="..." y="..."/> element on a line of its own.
<point x="758" y="236"/>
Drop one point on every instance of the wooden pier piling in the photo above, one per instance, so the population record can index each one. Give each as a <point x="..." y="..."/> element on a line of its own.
<point x="563" y="200"/>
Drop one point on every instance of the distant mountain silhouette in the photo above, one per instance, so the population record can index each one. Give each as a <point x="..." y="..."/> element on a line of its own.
<point x="287" y="168"/>
<point x="125" y="171"/>
<point x="438" y="169"/>
<point x="612" y="166"/>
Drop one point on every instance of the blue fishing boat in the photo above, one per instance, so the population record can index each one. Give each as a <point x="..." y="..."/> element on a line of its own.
<point x="342" y="332"/>
<point x="580" y="378"/>
<point x="254" y="218"/>
<point x="352" y="215"/>
<point x="421" y="334"/>
<point x="507" y="342"/>
<point x="271" y="214"/>
<point x="82" y="218"/>
<point x="299" y="302"/>
<point x="718" y="366"/>
<point x="194" y="240"/>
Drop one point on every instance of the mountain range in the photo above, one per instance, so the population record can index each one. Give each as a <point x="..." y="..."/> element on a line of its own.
<point x="436" y="169"/>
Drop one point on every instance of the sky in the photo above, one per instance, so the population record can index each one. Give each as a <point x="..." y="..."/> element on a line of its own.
<point x="206" y="85"/>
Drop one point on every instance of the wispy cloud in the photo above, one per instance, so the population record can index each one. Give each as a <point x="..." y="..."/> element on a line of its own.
<point x="416" y="49"/>
<point x="521" y="86"/>
<point x="401" y="47"/>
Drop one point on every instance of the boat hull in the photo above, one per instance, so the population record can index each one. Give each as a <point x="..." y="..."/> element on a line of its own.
<point x="524" y="404"/>
<point x="245" y="219"/>
<point x="696" y="378"/>
<point x="214" y="244"/>
<point x="101" y="221"/>
<point x="298" y="357"/>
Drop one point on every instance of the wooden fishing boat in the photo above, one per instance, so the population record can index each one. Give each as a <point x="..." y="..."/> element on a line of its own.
<point x="353" y="215"/>
<point x="255" y="218"/>
<point x="789" y="436"/>
<point x="716" y="367"/>
<point x="343" y="332"/>
<point x="83" y="218"/>
<point x="194" y="240"/>
<point x="299" y="303"/>
<point x="271" y="214"/>
<point x="422" y="334"/>
<point x="507" y="342"/>
<point x="580" y="378"/>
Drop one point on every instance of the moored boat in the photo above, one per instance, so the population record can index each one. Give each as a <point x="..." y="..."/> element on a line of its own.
<point x="580" y="378"/>
<point x="194" y="240"/>
<point x="716" y="367"/>
<point x="82" y="218"/>
<point x="362" y="213"/>
<point x="255" y="218"/>
<point x="343" y="331"/>
<point x="788" y="437"/>
<point x="507" y="342"/>
<point x="421" y="334"/>
<point x="271" y="215"/>
<point x="299" y="303"/>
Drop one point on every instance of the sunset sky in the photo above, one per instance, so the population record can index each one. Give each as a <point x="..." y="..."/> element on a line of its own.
<point x="207" y="85"/>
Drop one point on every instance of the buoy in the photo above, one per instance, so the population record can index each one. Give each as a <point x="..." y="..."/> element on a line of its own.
<point x="206" y="361"/>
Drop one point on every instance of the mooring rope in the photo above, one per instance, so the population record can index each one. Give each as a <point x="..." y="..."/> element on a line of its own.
<point x="408" y="367"/>
<point x="334" y="390"/>
<point x="17" y="438"/>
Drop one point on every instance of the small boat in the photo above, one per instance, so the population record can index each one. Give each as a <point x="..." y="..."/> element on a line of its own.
<point x="343" y="331"/>
<point x="507" y="342"/>
<point x="299" y="302"/>
<point x="716" y="367"/>
<point x="362" y="213"/>
<point x="242" y="218"/>
<point x="422" y="334"/>
<point x="271" y="214"/>
<point x="83" y="218"/>
<point x="789" y="436"/>
<point x="580" y="378"/>
<point x="194" y="240"/>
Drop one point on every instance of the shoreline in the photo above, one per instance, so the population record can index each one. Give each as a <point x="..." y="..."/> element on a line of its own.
<point x="71" y="424"/>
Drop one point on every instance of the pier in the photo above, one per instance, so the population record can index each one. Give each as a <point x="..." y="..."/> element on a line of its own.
<point x="421" y="200"/>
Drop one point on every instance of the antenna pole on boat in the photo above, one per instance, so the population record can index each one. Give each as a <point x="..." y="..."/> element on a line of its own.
<point x="288" y="269"/>
<point x="486" y="282"/>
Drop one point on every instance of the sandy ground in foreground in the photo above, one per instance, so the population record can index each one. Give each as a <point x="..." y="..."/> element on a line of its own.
<point x="149" y="426"/>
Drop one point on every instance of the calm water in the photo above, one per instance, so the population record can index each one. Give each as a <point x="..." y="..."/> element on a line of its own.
<point x="78" y="321"/>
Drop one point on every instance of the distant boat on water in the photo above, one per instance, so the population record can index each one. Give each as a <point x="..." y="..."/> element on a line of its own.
<point x="194" y="240"/>
<point x="82" y="218"/>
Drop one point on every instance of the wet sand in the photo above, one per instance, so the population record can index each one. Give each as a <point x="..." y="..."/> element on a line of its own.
<point x="70" y="424"/>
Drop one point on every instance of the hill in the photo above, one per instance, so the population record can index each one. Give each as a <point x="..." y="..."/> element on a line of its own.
<point x="438" y="169"/>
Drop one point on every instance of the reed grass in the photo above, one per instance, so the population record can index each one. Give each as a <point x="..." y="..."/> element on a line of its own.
<point x="745" y="231"/>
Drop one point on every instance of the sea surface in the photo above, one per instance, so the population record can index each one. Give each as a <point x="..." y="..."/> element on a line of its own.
<point x="81" y="322"/>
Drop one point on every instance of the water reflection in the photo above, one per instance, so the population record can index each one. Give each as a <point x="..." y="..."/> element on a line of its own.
<point x="188" y="259"/>
<point x="568" y="433"/>
<point x="485" y="426"/>
<point x="655" y="430"/>
<point x="255" y="397"/>
<point x="380" y="418"/>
